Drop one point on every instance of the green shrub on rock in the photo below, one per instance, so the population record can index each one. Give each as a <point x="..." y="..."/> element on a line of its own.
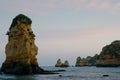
<point x="20" y="19"/>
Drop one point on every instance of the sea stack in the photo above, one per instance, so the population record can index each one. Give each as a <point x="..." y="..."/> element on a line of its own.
<point x="21" y="50"/>
<point x="60" y="64"/>
<point x="110" y="55"/>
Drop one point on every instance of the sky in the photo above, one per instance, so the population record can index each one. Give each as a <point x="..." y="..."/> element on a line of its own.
<point x="64" y="29"/>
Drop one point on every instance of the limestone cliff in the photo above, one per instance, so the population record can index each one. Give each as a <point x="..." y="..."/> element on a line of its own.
<point x="110" y="55"/>
<point x="21" y="50"/>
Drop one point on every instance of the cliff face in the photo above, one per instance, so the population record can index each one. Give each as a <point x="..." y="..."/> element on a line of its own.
<point x="21" y="50"/>
<point x="110" y="55"/>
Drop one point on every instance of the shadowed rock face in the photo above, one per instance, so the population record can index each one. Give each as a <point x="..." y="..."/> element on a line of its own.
<point x="110" y="55"/>
<point x="21" y="50"/>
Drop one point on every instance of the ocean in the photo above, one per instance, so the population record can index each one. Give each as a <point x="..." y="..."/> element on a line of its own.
<point x="72" y="73"/>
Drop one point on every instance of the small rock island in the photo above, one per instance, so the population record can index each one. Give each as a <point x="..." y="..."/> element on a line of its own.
<point x="60" y="64"/>
<point x="21" y="50"/>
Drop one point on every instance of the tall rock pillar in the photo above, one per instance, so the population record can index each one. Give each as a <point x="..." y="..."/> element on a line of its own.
<point x="21" y="50"/>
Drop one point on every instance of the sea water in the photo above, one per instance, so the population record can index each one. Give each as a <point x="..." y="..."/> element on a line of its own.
<point x="72" y="73"/>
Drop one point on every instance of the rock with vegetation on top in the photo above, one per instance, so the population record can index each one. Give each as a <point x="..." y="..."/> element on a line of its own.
<point x="21" y="50"/>
<point x="110" y="55"/>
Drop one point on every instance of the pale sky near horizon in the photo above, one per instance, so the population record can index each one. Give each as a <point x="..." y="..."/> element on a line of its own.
<point x="64" y="29"/>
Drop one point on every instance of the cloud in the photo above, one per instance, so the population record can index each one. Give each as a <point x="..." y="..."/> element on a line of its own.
<point x="92" y="3"/>
<point x="115" y="8"/>
<point x="105" y="5"/>
<point x="99" y="5"/>
<point x="44" y="7"/>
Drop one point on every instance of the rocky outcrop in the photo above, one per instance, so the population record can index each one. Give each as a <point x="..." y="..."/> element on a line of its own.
<point x="60" y="64"/>
<point x="65" y="64"/>
<point x="88" y="61"/>
<point x="78" y="63"/>
<point x="21" y="50"/>
<point x="110" y="55"/>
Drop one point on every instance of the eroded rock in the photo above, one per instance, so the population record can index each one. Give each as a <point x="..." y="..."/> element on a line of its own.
<point x="60" y="64"/>
<point x="21" y="49"/>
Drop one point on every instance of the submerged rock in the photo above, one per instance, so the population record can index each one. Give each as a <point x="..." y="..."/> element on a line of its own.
<point x="110" y="55"/>
<point x="105" y="75"/>
<point x="21" y="50"/>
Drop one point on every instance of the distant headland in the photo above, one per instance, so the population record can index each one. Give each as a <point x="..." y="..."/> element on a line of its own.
<point x="108" y="57"/>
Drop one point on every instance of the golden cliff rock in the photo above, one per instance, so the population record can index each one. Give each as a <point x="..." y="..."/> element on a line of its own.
<point x="21" y="50"/>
